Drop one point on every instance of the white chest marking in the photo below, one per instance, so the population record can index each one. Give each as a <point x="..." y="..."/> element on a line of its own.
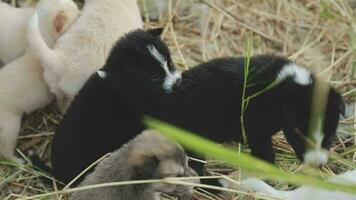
<point x="171" y="77"/>
<point x="101" y="74"/>
<point x="317" y="155"/>
<point x="299" y="74"/>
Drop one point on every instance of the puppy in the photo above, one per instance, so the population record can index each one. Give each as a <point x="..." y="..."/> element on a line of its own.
<point x="140" y="78"/>
<point x="207" y="98"/>
<point x="96" y="109"/>
<point x="22" y="87"/>
<point x="85" y="46"/>
<point x="303" y="193"/>
<point x="156" y="9"/>
<point x="150" y="155"/>
<point x="13" y="23"/>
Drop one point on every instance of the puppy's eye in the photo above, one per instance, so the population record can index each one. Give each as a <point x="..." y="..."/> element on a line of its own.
<point x="167" y="175"/>
<point x="156" y="77"/>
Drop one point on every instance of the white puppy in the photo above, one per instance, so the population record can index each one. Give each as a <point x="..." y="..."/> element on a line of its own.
<point x="156" y="9"/>
<point x="22" y="87"/>
<point x="12" y="31"/>
<point x="303" y="193"/>
<point x="84" y="48"/>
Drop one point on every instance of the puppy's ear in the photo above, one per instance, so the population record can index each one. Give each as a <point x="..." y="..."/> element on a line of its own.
<point x="156" y="32"/>
<point x="147" y="169"/>
<point x="59" y="21"/>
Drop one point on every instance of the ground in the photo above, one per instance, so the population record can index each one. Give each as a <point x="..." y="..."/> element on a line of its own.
<point x="320" y="35"/>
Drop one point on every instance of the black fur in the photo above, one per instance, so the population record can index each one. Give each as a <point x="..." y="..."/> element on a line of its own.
<point x="107" y="111"/>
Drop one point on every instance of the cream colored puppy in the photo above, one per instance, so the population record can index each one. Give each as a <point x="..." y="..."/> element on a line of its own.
<point x="83" y="49"/>
<point x="13" y="23"/>
<point x="22" y="87"/>
<point x="156" y="9"/>
<point x="150" y="155"/>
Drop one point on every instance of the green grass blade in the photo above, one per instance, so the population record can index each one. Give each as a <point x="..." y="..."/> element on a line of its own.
<point x="206" y="147"/>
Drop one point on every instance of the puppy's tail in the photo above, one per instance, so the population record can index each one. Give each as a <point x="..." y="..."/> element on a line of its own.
<point x="37" y="44"/>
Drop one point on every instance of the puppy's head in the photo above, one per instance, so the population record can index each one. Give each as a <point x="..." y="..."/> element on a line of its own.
<point x="312" y="149"/>
<point x="55" y="16"/>
<point x="317" y="155"/>
<point x="143" y="60"/>
<point x="153" y="156"/>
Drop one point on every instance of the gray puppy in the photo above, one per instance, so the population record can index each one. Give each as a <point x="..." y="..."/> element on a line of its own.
<point x="150" y="155"/>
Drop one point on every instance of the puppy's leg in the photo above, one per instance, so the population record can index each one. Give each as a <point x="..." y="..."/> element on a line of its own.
<point x="64" y="103"/>
<point x="70" y="85"/>
<point x="295" y="140"/>
<point x="9" y="129"/>
<point x="259" y="127"/>
<point x="260" y="143"/>
<point x="200" y="170"/>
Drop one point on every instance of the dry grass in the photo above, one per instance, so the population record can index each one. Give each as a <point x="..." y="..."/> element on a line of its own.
<point x="320" y="36"/>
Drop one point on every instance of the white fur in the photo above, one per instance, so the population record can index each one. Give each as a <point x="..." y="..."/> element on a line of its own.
<point x="171" y="80"/>
<point x="156" y="9"/>
<point x="307" y="192"/>
<point x="84" y="48"/>
<point x="101" y="74"/>
<point x="256" y="185"/>
<point x="171" y="77"/>
<point x="12" y="31"/>
<point x="299" y="74"/>
<point x="316" y="157"/>
<point x="22" y="87"/>
<point x="302" y="193"/>
<point x="159" y="57"/>
<point x="318" y="136"/>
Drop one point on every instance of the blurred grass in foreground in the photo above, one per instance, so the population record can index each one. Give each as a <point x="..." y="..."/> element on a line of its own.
<point x="247" y="162"/>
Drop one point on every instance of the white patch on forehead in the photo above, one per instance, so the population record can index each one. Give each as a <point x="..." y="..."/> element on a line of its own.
<point x="156" y="54"/>
<point x="101" y="74"/>
<point x="171" y="77"/>
<point x="299" y="74"/>
<point x="171" y="80"/>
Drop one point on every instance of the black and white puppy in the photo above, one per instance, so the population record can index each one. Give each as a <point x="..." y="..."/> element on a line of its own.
<point x="140" y="78"/>
<point x="102" y="116"/>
